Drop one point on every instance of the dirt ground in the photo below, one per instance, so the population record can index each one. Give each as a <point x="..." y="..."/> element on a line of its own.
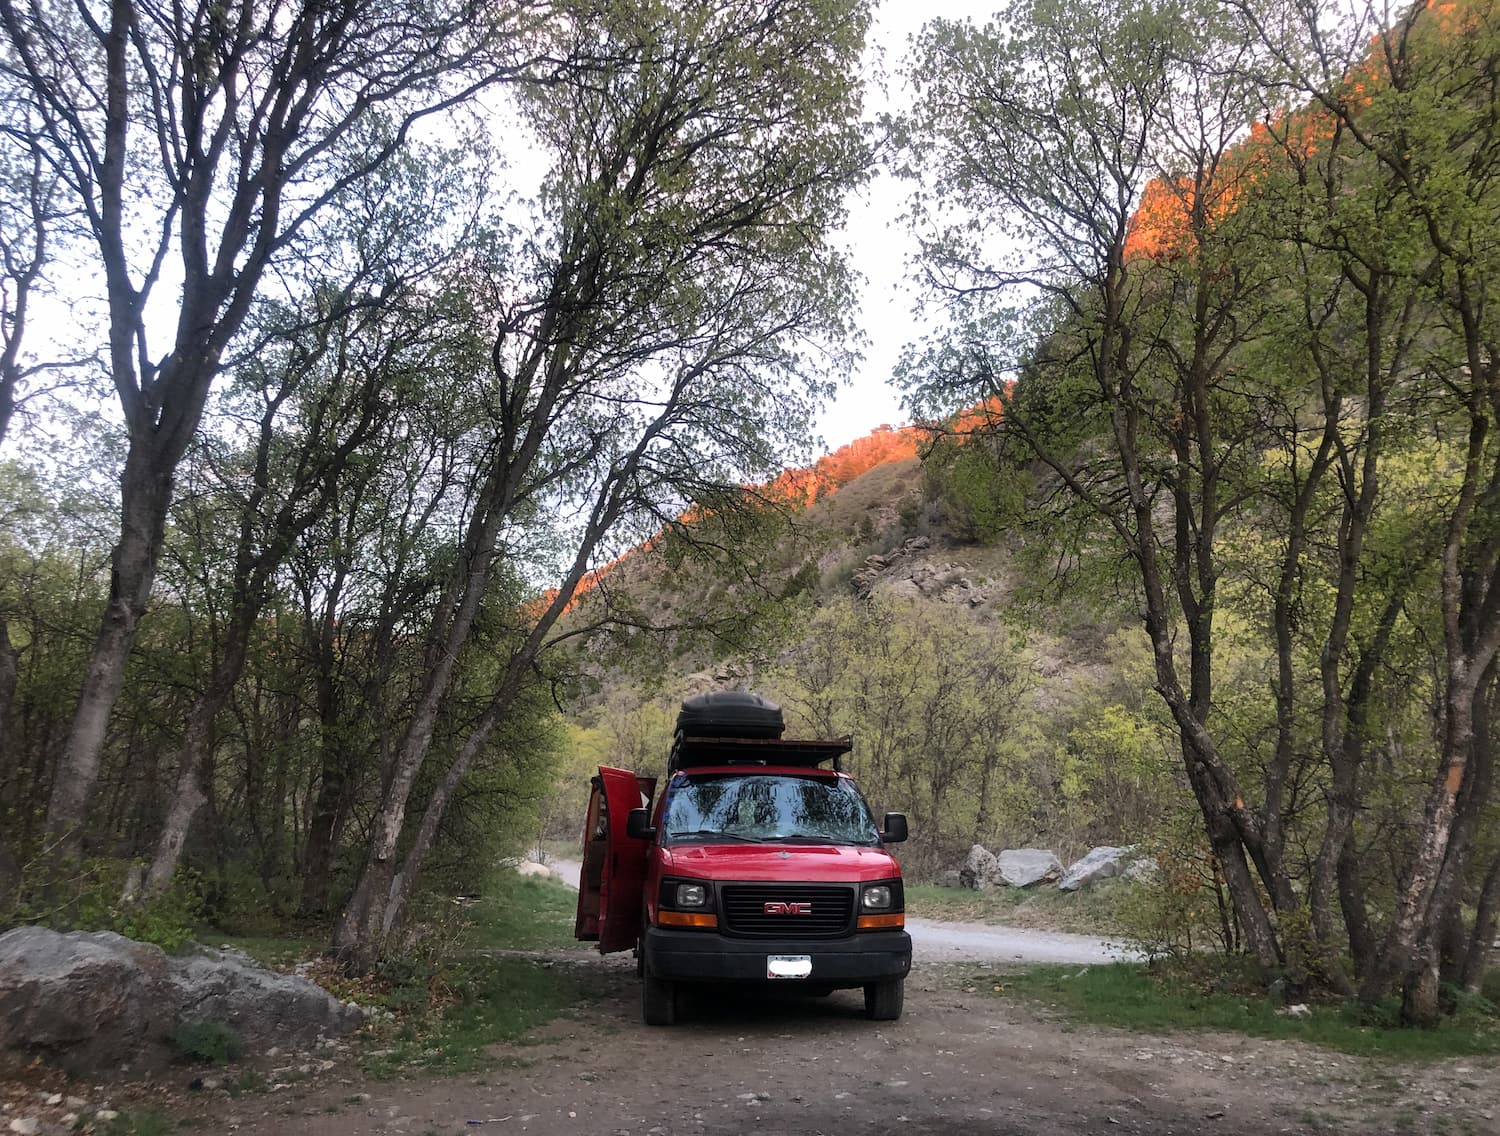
<point x="961" y="1060"/>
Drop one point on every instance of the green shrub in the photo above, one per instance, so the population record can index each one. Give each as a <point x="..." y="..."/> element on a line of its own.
<point x="167" y="921"/>
<point x="1489" y="985"/>
<point x="138" y="1122"/>
<point x="92" y="901"/>
<point x="209" y="1042"/>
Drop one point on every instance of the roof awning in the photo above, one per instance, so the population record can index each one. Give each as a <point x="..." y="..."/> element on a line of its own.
<point x="688" y="752"/>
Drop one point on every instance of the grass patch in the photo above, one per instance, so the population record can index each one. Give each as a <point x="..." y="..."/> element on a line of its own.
<point x="1158" y="998"/>
<point x="494" y="1000"/>
<point x="454" y="998"/>
<point x="138" y="1122"/>
<point x="520" y="913"/>
<point x="275" y="951"/>
<point x="1099" y="909"/>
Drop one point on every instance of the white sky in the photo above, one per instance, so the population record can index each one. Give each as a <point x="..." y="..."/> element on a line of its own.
<point x="878" y="245"/>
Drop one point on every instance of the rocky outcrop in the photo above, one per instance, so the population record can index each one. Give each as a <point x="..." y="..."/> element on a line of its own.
<point x="907" y="574"/>
<point x="1027" y="867"/>
<point x="87" y="998"/>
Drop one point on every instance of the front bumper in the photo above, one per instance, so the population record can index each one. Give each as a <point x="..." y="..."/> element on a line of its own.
<point x="707" y="956"/>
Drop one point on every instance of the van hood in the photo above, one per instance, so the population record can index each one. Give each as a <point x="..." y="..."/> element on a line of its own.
<point x="805" y="863"/>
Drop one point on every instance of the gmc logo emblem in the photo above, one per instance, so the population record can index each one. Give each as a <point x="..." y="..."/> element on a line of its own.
<point x="774" y="908"/>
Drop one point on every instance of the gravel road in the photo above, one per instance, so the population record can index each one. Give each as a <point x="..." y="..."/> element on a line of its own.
<point x="963" y="1059"/>
<point x="935" y="942"/>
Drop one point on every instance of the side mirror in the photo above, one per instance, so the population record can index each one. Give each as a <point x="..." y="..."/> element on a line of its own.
<point x="895" y="828"/>
<point x="638" y="825"/>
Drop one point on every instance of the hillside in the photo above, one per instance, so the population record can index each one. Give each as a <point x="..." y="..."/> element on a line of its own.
<point x="972" y="698"/>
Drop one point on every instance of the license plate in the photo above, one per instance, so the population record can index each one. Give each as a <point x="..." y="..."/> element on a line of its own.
<point x="788" y="966"/>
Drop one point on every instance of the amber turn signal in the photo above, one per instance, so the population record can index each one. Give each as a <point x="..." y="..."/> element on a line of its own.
<point x="687" y="919"/>
<point x="894" y="922"/>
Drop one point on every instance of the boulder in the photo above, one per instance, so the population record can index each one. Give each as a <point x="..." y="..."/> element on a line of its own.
<point x="979" y="870"/>
<point x="532" y="868"/>
<point x="90" y="997"/>
<point x="1025" y="867"/>
<point x="262" y="1006"/>
<point x="1102" y="863"/>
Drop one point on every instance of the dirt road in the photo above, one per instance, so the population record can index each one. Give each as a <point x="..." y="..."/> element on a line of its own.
<point x="961" y="1060"/>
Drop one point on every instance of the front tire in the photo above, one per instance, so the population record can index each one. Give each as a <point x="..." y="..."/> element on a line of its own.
<point x="658" y="1000"/>
<point x="883" y="1000"/>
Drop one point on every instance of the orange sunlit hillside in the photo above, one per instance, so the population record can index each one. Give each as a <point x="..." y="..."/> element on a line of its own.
<point x="832" y="471"/>
<point x="801" y="487"/>
<point x="881" y="446"/>
<point x="1168" y="222"/>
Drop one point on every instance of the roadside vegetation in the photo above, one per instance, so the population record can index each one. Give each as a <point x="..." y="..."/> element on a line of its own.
<point x="1207" y="994"/>
<point x="1107" y="910"/>
<point x="451" y="987"/>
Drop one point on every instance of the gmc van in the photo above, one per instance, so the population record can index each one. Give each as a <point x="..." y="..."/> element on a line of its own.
<point x="759" y="863"/>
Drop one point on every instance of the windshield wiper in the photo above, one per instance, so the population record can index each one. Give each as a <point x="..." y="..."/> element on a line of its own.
<point x="717" y="834"/>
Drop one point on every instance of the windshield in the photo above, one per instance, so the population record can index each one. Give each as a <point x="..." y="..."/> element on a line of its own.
<point x="768" y="808"/>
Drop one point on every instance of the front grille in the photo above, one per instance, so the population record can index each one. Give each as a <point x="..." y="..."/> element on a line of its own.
<point x="745" y="910"/>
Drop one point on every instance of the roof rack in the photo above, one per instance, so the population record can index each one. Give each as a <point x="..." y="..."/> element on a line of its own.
<point x="690" y="751"/>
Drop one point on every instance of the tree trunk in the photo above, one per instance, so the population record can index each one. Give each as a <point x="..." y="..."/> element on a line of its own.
<point x="1482" y="936"/>
<point x="404" y="881"/>
<point x="1420" y="988"/>
<point x="1411" y="951"/>
<point x="9" y="762"/>
<point x="146" y="490"/>
<point x="323" y="825"/>
<point x="1362" y="945"/>
<point x="187" y="797"/>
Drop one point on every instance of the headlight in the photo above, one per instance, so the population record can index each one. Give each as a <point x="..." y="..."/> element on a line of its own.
<point x="691" y="895"/>
<point x="877" y="898"/>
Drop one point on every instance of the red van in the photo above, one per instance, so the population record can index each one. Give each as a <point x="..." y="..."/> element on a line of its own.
<point x="760" y="862"/>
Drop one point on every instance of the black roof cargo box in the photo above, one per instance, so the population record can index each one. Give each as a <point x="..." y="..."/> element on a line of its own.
<point x="730" y="714"/>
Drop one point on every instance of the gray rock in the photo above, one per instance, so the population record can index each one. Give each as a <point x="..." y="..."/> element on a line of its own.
<point x="1102" y="863"/>
<point x="89" y="996"/>
<point x="260" y="1005"/>
<point x="979" y="870"/>
<point x="92" y="995"/>
<point x="902" y="590"/>
<point x="1025" y="867"/>
<point x="1141" y="870"/>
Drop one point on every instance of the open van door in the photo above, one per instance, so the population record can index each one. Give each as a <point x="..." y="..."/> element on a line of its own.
<point x="614" y="863"/>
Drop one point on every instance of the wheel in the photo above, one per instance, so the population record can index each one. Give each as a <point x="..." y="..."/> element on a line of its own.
<point x="883" y="999"/>
<point x="658" y="1001"/>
